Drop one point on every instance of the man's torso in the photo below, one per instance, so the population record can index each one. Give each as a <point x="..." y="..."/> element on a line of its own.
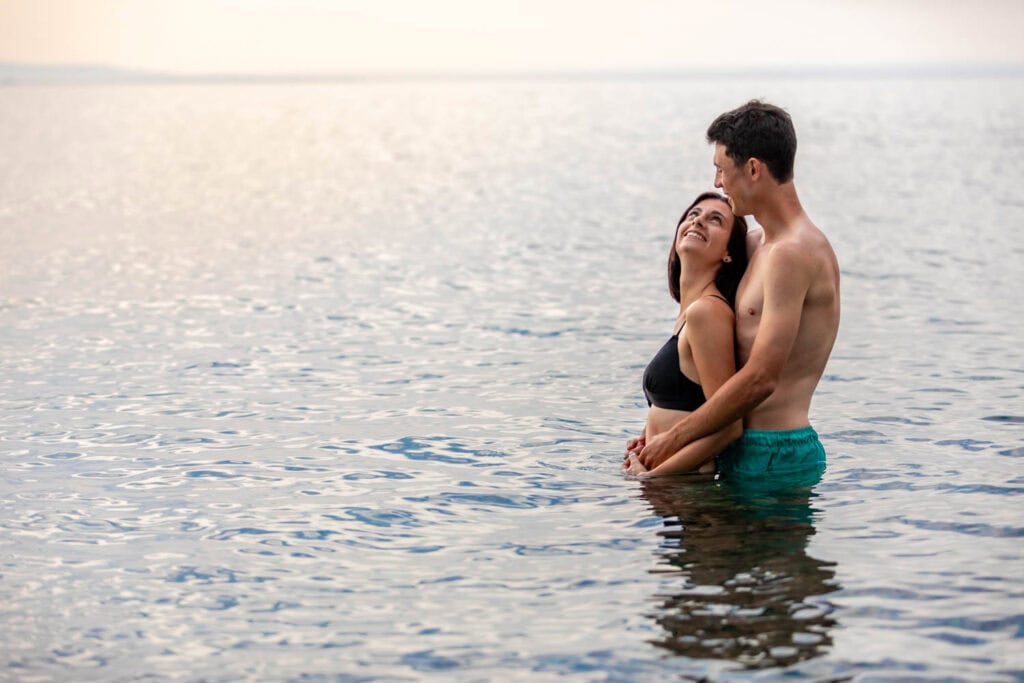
<point x="789" y="405"/>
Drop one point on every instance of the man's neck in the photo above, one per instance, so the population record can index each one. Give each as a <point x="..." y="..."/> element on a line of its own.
<point x="779" y="211"/>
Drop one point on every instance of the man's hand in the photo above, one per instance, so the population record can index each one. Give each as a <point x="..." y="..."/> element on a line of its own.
<point x="657" y="450"/>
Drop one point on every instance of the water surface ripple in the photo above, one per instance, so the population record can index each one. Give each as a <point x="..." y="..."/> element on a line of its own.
<point x="330" y="383"/>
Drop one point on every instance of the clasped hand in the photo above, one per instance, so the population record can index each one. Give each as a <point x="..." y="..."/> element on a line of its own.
<point x="643" y="455"/>
<point x="632" y="463"/>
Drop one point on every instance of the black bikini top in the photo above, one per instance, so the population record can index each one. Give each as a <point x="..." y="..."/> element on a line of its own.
<point x="665" y="385"/>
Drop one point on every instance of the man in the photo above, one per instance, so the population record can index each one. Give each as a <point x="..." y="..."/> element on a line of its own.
<point x="787" y="309"/>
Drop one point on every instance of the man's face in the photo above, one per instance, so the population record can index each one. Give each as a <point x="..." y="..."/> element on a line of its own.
<point x="729" y="178"/>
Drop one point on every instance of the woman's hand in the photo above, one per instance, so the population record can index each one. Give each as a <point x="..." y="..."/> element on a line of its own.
<point x="634" y="446"/>
<point x="634" y="466"/>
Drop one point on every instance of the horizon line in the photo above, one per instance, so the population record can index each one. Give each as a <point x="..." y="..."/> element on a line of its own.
<point x="32" y="73"/>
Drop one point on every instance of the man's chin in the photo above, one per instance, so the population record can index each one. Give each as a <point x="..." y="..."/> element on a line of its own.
<point x="737" y="210"/>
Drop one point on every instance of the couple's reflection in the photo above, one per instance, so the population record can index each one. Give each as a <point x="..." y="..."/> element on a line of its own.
<point x="738" y="582"/>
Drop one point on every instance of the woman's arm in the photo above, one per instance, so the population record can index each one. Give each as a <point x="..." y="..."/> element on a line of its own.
<point x="711" y="338"/>
<point x="710" y="333"/>
<point x="694" y="454"/>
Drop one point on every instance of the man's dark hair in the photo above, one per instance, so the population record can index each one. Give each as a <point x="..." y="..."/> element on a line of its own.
<point x="759" y="130"/>
<point x="727" y="280"/>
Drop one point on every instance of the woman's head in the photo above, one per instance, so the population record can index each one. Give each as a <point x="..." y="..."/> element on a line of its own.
<point x="710" y="208"/>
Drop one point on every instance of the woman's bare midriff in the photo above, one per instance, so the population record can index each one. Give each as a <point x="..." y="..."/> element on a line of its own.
<point x="663" y="419"/>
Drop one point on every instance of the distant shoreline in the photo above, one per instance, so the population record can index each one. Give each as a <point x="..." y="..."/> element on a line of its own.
<point x="15" y="74"/>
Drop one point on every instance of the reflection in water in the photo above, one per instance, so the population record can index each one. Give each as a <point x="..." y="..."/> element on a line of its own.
<point x="748" y="590"/>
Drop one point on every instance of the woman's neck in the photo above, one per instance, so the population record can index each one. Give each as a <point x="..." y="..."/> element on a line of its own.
<point x="692" y="287"/>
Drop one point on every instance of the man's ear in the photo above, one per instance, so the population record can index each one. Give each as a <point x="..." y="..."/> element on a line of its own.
<point x="755" y="167"/>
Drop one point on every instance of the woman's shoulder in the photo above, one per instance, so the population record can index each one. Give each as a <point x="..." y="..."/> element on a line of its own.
<point x="755" y="238"/>
<point x="708" y="310"/>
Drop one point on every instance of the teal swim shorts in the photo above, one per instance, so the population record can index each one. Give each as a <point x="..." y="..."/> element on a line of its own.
<point x="759" y="454"/>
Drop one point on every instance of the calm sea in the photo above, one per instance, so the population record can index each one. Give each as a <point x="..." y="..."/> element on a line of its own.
<point x="331" y="383"/>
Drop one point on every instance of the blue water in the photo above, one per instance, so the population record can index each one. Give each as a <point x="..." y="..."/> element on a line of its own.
<point x="331" y="383"/>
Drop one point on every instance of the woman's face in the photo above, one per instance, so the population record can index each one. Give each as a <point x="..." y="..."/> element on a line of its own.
<point x="705" y="230"/>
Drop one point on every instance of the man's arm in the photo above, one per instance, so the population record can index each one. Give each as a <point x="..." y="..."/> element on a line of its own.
<point x="787" y="281"/>
<point x="689" y="459"/>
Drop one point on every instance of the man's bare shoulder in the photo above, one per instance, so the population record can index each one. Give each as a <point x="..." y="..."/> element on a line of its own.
<point x="804" y="258"/>
<point x="804" y="243"/>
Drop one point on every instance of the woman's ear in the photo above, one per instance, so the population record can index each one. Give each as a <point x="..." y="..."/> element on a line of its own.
<point x="727" y="259"/>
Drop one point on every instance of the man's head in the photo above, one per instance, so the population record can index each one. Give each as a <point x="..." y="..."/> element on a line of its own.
<point x="758" y="131"/>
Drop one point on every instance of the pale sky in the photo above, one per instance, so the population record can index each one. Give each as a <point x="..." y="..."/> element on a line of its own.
<point x="340" y="36"/>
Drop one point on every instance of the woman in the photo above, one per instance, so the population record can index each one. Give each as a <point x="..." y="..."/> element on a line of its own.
<point x="705" y="264"/>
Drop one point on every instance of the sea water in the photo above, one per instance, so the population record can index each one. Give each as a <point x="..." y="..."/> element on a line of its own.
<point x="332" y="382"/>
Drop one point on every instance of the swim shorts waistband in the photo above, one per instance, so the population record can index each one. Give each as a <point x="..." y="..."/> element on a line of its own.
<point x="762" y="452"/>
<point x="772" y="436"/>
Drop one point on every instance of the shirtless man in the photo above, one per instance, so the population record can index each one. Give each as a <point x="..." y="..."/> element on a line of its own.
<point x="787" y="309"/>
